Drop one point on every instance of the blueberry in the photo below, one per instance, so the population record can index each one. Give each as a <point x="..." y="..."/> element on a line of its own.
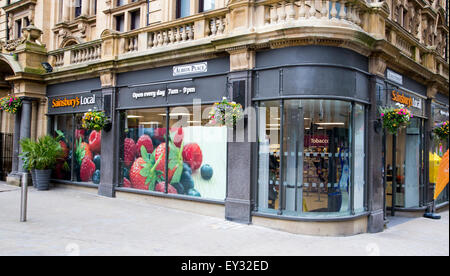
<point x="97" y="161"/>
<point x="187" y="168"/>
<point x="193" y="192"/>
<point x="206" y="171"/>
<point x="96" y="177"/>
<point x="179" y="187"/>
<point x="187" y="181"/>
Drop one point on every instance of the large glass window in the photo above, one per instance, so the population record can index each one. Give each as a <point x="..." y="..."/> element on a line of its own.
<point x="63" y="130"/>
<point x="189" y="155"/>
<point x="82" y="150"/>
<point x="310" y="171"/>
<point x="438" y="148"/>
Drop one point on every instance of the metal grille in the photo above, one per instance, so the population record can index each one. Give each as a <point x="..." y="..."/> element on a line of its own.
<point x="6" y="154"/>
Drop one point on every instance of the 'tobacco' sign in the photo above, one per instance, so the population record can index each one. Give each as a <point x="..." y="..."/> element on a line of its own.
<point x="188" y="69"/>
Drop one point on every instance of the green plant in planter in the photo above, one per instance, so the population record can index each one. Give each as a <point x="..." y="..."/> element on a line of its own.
<point x="41" y="156"/>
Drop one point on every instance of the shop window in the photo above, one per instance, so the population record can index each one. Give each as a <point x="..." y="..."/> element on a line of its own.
<point x="63" y="130"/>
<point x="135" y="17"/>
<point x="87" y="154"/>
<point x="206" y="5"/>
<point x="119" y="22"/>
<point x="183" y="8"/>
<point x="438" y="149"/>
<point x="305" y="157"/>
<point x="191" y="159"/>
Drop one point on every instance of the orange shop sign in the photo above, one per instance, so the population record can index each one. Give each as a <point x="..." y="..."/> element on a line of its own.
<point x="74" y="102"/>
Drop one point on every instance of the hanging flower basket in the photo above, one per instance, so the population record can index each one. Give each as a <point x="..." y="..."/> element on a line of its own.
<point x="441" y="131"/>
<point x="395" y="118"/>
<point x="94" y="120"/>
<point x="226" y="113"/>
<point x="10" y="104"/>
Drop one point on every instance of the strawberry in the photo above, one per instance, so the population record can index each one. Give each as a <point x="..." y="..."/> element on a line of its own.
<point x="126" y="183"/>
<point x="145" y="141"/>
<point x="65" y="150"/>
<point x="159" y="134"/>
<point x="160" y="151"/>
<point x="137" y="180"/>
<point x="178" y="137"/>
<point x="143" y="173"/>
<point x="95" y="144"/>
<point x="161" y="187"/>
<point x="87" y="169"/>
<point x="129" y="151"/>
<point x="88" y="153"/>
<point x="192" y="154"/>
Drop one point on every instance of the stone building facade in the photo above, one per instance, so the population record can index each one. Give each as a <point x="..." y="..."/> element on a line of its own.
<point x="312" y="61"/>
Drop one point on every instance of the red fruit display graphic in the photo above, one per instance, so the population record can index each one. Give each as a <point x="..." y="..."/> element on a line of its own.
<point x="87" y="169"/>
<point x="95" y="143"/>
<point x="88" y="152"/>
<point x="65" y="150"/>
<point x="137" y="180"/>
<point x="143" y="173"/>
<point x="126" y="183"/>
<point x="79" y="133"/>
<point x="161" y="152"/>
<point x="145" y="141"/>
<point x="159" y="134"/>
<point x="161" y="187"/>
<point x="129" y="151"/>
<point x="178" y="137"/>
<point x="192" y="154"/>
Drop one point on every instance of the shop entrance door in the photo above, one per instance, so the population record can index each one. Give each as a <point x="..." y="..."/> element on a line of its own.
<point x="403" y="161"/>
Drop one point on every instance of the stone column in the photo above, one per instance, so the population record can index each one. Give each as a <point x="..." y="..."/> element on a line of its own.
<point x="240" y="166"/>
<point x="375" y="166"/>
<point x="109" y="152"/>
<point x="25" y="126"/>
<point x="375" y="186"/>
<point x="16" y="139"/>
<point x="85" y="7"/>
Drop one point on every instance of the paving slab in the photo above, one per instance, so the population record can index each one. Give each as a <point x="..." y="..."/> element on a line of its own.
<point x="66" y="221"/>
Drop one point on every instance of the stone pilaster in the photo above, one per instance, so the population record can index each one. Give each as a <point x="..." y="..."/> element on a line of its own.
<point x="109" y="154"/>
<point x="240" y="176"/>
<point x="375" y="188"/>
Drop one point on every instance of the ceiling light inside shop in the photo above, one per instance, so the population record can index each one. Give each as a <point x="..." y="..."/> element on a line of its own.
<point x="149" y="123"/>
<point x="134" y="116"/>
<point x="175" y="114"/>
<point x="277" y="125"/>
<point x="330" y="124"/>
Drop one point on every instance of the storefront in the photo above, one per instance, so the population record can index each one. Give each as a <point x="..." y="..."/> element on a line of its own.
<point x="81" y="163"/>
<point x="166" y="143"/>
<point x="405" y="183"/>
<point x="311" y="158"/>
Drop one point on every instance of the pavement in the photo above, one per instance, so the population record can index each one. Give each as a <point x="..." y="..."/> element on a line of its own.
<point x="66" y="221"/>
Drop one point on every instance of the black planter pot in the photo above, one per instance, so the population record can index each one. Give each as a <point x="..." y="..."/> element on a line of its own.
<point x="33" y="177"/>
<point x="42" y="179"/>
